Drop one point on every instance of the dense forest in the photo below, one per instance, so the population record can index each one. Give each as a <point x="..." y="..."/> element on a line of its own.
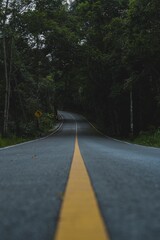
<point x="97" y="57"/>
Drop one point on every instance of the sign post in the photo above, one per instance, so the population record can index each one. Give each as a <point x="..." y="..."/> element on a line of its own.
<point x="38" y="114"/>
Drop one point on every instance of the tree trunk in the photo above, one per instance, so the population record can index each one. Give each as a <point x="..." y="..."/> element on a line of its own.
<point x="131" y="113"/>
<point x="7" y="88"/>
<point x="7" y="92"/>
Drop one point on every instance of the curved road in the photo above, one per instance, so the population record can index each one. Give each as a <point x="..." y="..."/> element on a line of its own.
<point x="125" y="178"/>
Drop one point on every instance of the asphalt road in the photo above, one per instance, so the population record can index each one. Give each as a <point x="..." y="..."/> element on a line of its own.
<point x="125" y="177"/>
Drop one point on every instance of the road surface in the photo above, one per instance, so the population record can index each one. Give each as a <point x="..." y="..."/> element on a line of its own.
<point x="34" y="176"/>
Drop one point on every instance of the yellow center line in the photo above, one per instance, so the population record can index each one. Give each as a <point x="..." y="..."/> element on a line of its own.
<point x="80" y="217"/>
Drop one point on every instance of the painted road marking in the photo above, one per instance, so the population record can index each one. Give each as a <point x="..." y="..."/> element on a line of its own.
<point x="80" y="217"/>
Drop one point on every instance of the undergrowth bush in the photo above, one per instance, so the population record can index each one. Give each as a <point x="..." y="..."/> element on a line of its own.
<point x="150" y="138"/>
<point x="27" y="131"/>
<point x="11" y="141"/>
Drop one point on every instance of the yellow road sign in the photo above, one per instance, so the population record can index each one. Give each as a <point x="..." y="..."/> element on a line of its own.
<point x="38" y="114"/>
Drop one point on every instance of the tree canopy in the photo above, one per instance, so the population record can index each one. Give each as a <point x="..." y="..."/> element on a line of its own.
<point x="97" y="57"/>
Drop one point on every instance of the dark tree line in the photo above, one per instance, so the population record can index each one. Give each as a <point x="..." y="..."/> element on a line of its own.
<point x="99" y="57"/>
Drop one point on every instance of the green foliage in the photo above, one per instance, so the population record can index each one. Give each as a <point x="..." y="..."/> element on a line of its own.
<point x="38" y="126"/>
<point x="150" y="138"/>
<point x="87" y="57"/>
<point x="12" y="141"/>
<point x="121" y="53"/>
<point x="46" y="123"/>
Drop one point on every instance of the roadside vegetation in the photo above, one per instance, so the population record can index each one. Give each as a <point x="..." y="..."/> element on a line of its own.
<point x="97" y="57"/>
<point x="40" y="127"/>
<point x="150" y="138"/>
<point x="4" y="141"/>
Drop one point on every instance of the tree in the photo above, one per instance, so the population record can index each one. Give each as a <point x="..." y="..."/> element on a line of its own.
<point x="7" y="80"/>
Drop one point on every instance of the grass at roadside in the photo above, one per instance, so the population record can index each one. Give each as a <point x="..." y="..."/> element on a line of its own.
<point x="32" y="130"/>
<point x="151" y="138"/>
<point x="148" y="138"/>
<point x="11" y="141"/>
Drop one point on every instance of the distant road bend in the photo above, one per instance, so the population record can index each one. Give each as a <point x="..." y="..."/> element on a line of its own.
<point x="79" y="185"/>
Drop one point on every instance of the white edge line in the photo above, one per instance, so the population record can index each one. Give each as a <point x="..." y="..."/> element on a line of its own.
<point x="114" y="139"/>
<point x="39" y="139"/>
